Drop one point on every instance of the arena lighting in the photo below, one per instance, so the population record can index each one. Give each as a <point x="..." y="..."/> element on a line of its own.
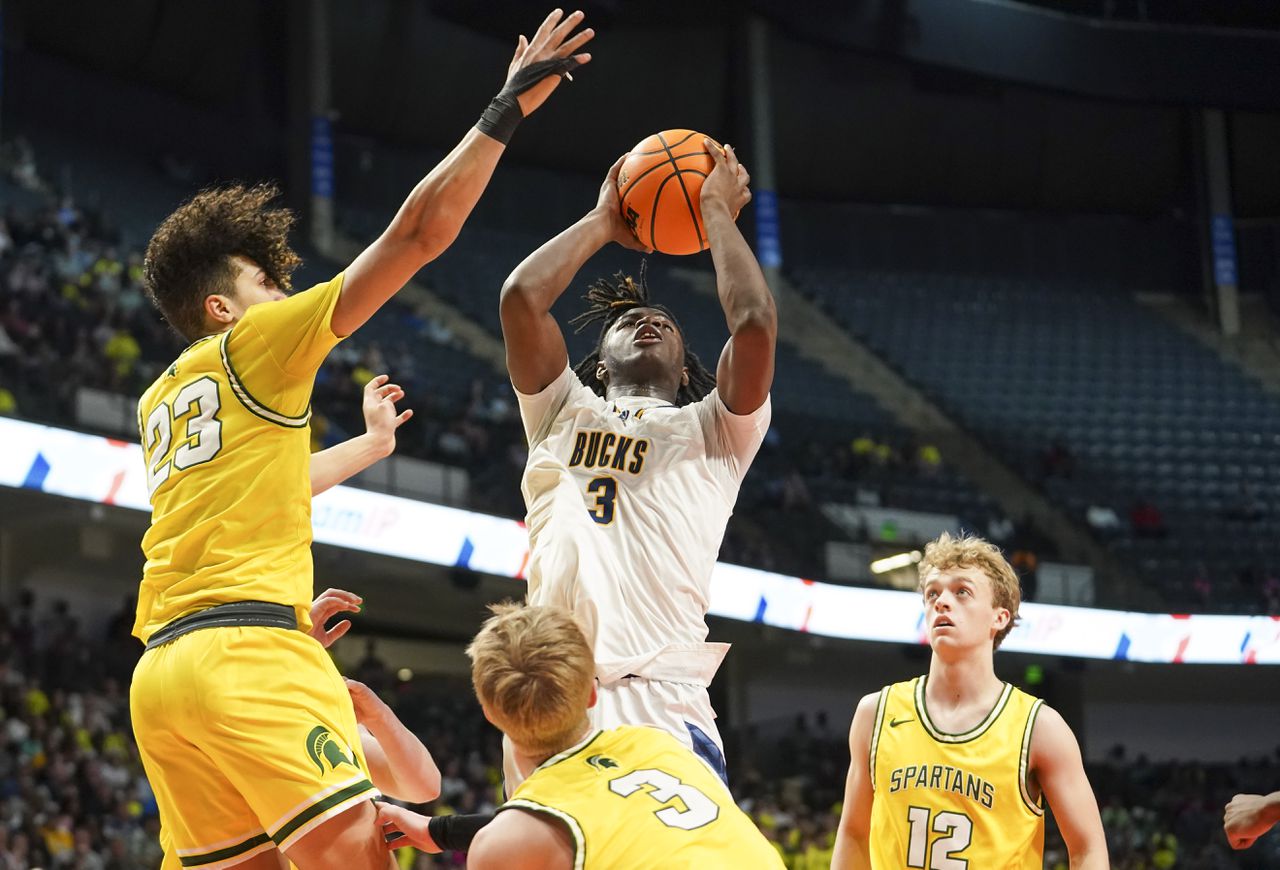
<point x="893" y="563"/>
<point x="108" y="471"/>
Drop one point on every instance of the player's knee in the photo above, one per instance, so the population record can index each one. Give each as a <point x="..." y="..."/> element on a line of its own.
<point x="350" y="840"/>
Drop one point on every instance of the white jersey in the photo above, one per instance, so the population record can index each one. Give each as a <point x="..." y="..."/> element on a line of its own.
<point x="627" y="505"/>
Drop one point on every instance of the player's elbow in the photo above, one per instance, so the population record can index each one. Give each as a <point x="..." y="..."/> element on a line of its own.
<point x="429" y="235"/>
<point x="759" y="322"/>
<point x="423" y="787"/>
<point x="517" y="298"/>
<point x="435" y="238"/>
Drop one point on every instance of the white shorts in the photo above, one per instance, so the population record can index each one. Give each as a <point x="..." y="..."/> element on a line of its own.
<point x="683" y="710"/>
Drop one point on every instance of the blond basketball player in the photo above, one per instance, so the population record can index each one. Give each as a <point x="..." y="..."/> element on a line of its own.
<point x="246" y="730"/>
<point x="626" y="798"/>
<point x="952" y="769"/>
<point x="636" y="456"/>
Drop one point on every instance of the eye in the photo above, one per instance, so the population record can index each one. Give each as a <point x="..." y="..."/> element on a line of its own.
<point x="962" y="591"/>
<point x="668" y="327"/>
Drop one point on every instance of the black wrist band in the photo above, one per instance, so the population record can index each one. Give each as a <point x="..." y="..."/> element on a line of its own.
<point x="455" y="833"/>
<point x="501" y="118"/>
<point x="503" y="114"/>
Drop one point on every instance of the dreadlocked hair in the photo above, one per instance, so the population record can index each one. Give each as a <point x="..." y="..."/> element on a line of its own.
<point x="189" y="257"/>
<point x="609" y="299"/>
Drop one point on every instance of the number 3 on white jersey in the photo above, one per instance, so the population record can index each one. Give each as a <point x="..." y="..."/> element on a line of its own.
<point x="198" y="400"/>
<point x="699" y="809"/>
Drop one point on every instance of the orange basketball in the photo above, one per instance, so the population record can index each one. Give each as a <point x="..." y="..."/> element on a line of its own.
<point x="660" y="184"/>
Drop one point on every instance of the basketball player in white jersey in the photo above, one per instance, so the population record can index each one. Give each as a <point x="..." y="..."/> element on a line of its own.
<point x="636" y="456"/>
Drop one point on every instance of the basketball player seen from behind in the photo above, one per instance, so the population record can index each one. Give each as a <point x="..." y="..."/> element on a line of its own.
<point x="246" y="730"/>
<point x="627" y="798"/>
<point x="636" y="457"/>
<point x="952" y="769"/>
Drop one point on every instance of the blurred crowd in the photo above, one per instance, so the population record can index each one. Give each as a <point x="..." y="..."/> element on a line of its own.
<point x="73" y="314"/>
<point x="72" y="790"/>
<point x="73" y="793"/>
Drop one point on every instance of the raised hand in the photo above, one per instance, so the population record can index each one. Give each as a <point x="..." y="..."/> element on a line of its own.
<point x="380" y="417"/>
<point x="554" y="39"/>
<point x="609" y="206"/>
<point x="330" y="602"/>
<point x="727" y="185"/>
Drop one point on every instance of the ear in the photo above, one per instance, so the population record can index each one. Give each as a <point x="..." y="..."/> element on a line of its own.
<point x="1003" y="618"/>
<point x="591" y="702"/>
<point x="684" y="377"/>
<point x="602" y="373"/>
<point x="218" y="310"/>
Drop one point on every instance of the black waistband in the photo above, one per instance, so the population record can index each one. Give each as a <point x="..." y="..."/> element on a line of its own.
<point x="262" y="613"/>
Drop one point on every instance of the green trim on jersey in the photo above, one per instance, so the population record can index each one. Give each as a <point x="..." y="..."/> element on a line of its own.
<point x="575" y="829"/>
<point x="1024" y="762"/>
<point x="258" y="409"/>
<point x="881" y="705"/>
<point x="973" y="733"/>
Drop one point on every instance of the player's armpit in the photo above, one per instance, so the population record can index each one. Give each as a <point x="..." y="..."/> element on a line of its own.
<point x="1057" y="767"/>
<point x="517" y="840"/>
<point x="852" y="849"/>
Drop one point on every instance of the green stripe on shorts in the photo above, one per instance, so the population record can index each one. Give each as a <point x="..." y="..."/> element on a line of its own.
<point x="320" y="807"/>
<point x="223" y="854"/>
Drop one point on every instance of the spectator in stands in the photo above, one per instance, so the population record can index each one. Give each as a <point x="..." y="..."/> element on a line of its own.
<point x="1000" y="529"/>
<point x="372" y="670"/>
<point x="1057" y="461"/>
<point x="1103" y="520"/>
<point x="929" y="460"/>
<point x="1146" y="520"/>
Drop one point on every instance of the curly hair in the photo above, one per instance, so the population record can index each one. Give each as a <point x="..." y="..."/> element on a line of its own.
<point x="607" y="302"/>
<point x="189" y="256"/>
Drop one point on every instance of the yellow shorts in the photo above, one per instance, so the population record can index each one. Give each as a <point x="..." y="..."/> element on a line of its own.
<point x="249" y="741"/>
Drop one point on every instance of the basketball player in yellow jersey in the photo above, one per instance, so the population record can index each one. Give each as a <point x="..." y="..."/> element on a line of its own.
<point x="629" y="798"/>
<point x="951" y="770"/>
<point x="246" y="729"/>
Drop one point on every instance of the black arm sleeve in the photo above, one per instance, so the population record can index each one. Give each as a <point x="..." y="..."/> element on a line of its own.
<point x="455" y="833"/>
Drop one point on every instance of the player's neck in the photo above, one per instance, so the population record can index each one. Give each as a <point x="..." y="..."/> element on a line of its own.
<point x="644" y="391"/>
<point x="527" y="762"/>
<point x="962" y="681"/>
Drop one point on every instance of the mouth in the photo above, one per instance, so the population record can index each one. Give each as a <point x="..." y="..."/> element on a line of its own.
<point x="943" y="622"/>
<point x="648" y="335"/>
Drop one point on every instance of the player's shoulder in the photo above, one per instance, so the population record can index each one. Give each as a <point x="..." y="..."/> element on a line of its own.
<point x="522" y="838"/>
<point x="190" y="361"/>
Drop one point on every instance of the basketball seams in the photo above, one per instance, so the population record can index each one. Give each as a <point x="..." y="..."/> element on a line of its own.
<point x="641" y="196"/>
<point x="692" y="133"/>
<point x="693" y="214"/>
<point x="625" y="189"/>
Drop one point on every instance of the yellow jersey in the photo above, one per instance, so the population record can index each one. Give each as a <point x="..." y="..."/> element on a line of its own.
<point x="953" y="800"/>
<point x="226" y="438"/>
<point x="635" y="797"/>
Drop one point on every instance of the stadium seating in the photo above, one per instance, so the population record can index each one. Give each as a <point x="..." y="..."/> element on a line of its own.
<point x="1147" y="414"/>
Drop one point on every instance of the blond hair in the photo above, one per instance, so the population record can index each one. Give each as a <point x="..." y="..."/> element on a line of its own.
<point x="968" y="551"/>
<point x="533" y="672"/>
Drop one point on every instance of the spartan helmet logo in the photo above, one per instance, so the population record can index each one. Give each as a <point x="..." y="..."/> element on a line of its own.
<point x="602" y="762"/>
<point x="322" y="746"/>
